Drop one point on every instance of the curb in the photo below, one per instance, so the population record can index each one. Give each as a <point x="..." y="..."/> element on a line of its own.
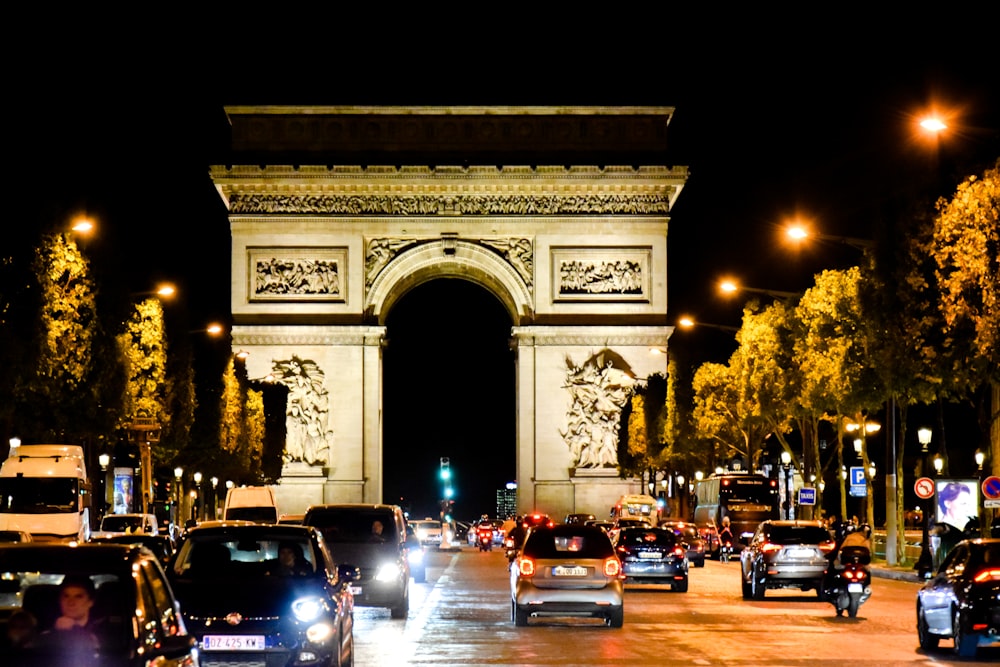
<point x="898" y="575"/>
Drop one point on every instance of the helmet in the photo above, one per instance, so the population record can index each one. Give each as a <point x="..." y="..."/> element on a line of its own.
<point x="725" y="521"/>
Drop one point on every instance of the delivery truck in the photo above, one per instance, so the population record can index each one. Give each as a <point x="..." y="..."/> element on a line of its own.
<point x="44" y="490"/>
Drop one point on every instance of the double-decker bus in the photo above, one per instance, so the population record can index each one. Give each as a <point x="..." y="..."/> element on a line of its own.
<point x="747" y="499"/>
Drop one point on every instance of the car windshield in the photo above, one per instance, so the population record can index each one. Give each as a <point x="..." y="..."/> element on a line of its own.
<point x="352" y="525"/>
<point x="798" y="535"/>
<point x="120" y="523"/>
<point x="650" y="537"/>
<point x="242" y="554"/>
<point x="542" y="543"/>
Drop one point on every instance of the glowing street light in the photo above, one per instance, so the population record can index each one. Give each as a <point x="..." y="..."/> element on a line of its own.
<point x="688" y="323"/>
<point x="799" y="232"/>
<point x="731" y="287"/>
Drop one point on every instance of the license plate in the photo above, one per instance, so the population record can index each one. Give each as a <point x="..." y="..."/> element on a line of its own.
<point x="854" y="588"/>
<point x="355" y="590"/>
<point x="233" y="643"/>
<point x="655" y="555"/>
<point x="568" y="571"/>
<point x="799" y="553"/>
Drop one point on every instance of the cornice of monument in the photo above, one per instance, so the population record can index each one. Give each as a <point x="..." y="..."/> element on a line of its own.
<point x="460" y="110"/>
<point x="444" y="190"/>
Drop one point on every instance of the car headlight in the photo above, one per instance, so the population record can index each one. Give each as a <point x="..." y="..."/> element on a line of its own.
<point x="388" y="572"/>
<point x="416" y="556"/>
<point x="308" y="609"/>
<point x="319" y="633"/>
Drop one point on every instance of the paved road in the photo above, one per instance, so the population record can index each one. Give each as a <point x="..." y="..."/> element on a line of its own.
<point x="461" y="616"/>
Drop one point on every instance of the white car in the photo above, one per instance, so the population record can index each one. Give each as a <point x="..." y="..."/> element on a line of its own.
<point x="428" y="531"/>
<point x="128" y="524"/>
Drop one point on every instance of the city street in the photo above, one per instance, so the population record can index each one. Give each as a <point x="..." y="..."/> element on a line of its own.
<point x="461" y="616"/>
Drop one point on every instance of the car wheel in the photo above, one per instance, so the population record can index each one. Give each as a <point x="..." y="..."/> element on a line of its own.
<point x="965" y="645"/>
<point x="616" y="617"/>
<point x="680" y="586"/>
<point x="924" y="636"/>
<point x="747" y="590"/>
<point x="700" y="563"/>
<point x="401" y="610"/>
<point x="756" y="586"/>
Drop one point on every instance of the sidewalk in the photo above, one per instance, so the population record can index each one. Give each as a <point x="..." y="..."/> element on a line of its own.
<point x="882" y="570"/>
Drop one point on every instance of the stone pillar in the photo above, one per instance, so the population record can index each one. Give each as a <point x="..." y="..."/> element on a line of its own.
<point x="372" y="428"/>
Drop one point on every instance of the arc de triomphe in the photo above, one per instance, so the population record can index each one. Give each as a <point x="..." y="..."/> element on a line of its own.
<point x="560" y="212"/>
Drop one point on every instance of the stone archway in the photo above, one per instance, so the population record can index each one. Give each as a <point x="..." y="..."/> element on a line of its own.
<point x="577" y="256"/>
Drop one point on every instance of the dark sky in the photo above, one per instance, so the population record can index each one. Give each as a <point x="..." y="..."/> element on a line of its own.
<point x="775" y="116"/>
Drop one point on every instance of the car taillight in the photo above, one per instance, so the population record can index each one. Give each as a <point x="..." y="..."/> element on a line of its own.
<point x="827" y="547"/>
<point x="622" y="550"/>
<point x="679" y="552"/>
<point x="509" y="542"/>
<point x="526" y="567"/>
<point x="987" y="575"/>
<point x="612" y="567"/>
<point x="768" y="547"/>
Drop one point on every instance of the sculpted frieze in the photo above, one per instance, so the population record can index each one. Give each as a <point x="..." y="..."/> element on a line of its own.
<point x="517" y="251"/>
<point x="446" y="204"/>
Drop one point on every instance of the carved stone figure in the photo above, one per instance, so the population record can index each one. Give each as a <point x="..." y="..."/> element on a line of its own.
<point x="308" y="437"/>
<point x="600" y="390"/>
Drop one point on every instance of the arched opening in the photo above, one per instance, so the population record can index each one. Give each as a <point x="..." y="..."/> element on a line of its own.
<point x="448" y="391"/>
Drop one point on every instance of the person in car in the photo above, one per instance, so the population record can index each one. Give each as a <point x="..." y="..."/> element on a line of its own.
<point x="77" y="625"/>
<point x="290" y="560"/>
<point x="377" y="529"/>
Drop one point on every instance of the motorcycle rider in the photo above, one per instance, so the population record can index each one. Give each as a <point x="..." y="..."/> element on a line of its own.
<point x="857" y="539"/>
<point x="725" y="534"/>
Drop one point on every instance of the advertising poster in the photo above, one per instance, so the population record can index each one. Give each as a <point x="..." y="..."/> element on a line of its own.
<point x="957" y="501"/>
<point x="123" y="491"/>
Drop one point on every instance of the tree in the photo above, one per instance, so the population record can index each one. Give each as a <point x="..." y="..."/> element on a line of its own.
<point x="144" y="350"/>
<point x="73" y="392"/>
<point x="966" y="248"/>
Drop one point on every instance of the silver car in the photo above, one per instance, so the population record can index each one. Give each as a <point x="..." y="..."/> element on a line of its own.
<point x="567" y="570"/>
<point x="785" y="554"/>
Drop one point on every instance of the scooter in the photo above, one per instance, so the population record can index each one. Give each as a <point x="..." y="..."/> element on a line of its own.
<point x="485" y="539"/>
<point x="850" y="585"/>
<point x="725" y="551"/>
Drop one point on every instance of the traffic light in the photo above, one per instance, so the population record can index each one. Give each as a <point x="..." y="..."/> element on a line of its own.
<point x="445" y="468"/>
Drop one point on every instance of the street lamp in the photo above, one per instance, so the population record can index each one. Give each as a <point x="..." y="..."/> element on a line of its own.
<point x="178" y="475"/>
<point x="938" y="464"/>
<point x="688" y="323"/>
<point x="924" y="437"/>
<point x="786" y="465"/>
<point x="197" y="494"/>
<point x="980" y="458"/>
<point x="215" y="497"/>
<point x="730" y="287"/>
<point x="798" y="232"/>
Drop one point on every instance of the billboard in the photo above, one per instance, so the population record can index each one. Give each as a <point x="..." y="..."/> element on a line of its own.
<point x="957" y="501"/>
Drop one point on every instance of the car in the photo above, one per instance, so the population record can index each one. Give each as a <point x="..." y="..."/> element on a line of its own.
<point x="135" y="619"/>
<point x="626" y="522"/>
<point x="600" y="523"/>
<point x="382" y="558"/>
<point x="962" y="601"/>
<point x="785" y="554"/>
<point x="567" y="570"/>
<point x="692" y="540"/>
<point x="11" y="536"/>
<point x="161" y="545"/>
<point x="416" y="556"/>
<point x="653" y="555"/>
<point x="127" y="524"/>
<point x="429" y="531"/>
<point x="255" y="593"/>
<point x="710" y="533"/>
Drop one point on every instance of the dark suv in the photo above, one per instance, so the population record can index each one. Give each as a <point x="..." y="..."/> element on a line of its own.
<point x="372" y="537"/>
<point x="785" y="554"/>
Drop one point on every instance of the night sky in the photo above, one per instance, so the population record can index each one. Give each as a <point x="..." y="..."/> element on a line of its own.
<point x="774" y="118"/>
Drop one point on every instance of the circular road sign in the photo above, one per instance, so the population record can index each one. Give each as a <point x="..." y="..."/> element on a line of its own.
<point x="924" y="487"/>
<point x="991" y="487"/>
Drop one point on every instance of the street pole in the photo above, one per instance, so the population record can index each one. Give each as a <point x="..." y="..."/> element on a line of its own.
<point x="925" y="563"/>
<point x="891" y="489"/>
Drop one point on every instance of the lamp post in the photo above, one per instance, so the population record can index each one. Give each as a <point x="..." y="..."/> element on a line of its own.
<point x="925" y="562"/>
<point x="786" y="466"/>
<point x="105" y="461"/>
<point x="178" y="476"/>
<point x="196" y="511"/>
<point x="215" y="497"/>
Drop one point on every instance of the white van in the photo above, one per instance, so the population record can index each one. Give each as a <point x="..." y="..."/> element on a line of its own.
<point x="636" y="506"/>
<point x="44" y="490"/>
<point x="251" y="503"/>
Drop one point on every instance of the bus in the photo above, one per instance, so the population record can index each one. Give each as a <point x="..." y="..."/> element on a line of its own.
<point x="747" y="499"/>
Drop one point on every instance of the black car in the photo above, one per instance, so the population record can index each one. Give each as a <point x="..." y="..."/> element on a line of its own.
<point x="962" y="602"/>
<point x="264" y="594"/>
<point x="786" y="554"/>
<point x="653" y="555"/>
<point x="133" y="619"/>
<point x="691" y="539"/>
<point x="159" y="544"/>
